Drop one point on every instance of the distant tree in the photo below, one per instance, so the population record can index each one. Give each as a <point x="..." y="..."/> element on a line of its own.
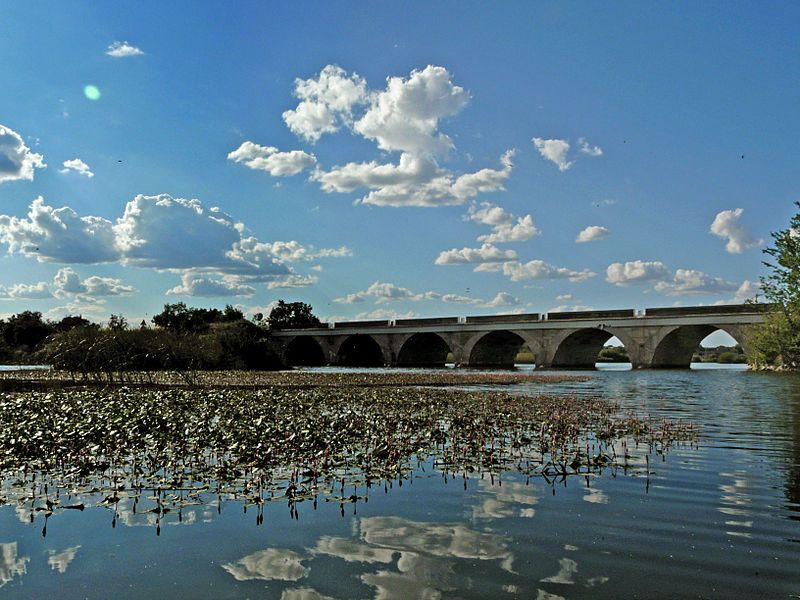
<point x="117" y="323"/>
<point x="613" y="354"/>
<point x="287" y="315"/>
<point x="180" y="318"/>
<point x="232" y="314"/>
<point x="777" y="341"/>
<point x="26" y="330"/>
<point x="71" y="322"/>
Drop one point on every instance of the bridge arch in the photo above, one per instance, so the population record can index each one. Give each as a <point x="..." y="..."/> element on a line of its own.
<point x="423" y="350"/>
<point x="578" y="349"/>
<point x="304" y="351"/>
<point x="360" y="350"/>
<point x="676" y="345"/>
<point x="497" y="349"/>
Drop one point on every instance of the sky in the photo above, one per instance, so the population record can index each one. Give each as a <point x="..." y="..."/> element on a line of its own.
<point x="386" y="160"/>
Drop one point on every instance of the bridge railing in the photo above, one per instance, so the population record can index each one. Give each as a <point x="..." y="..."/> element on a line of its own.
<point x="675" y="311"/>
<point x="590" y="314"/>
<point x="671" y="311"/>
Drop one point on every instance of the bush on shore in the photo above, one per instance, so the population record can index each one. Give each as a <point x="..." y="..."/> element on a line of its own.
<point x="100" y="353"/>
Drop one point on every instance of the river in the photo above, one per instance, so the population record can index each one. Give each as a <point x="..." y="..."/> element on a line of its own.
<point x="715" y="519"/>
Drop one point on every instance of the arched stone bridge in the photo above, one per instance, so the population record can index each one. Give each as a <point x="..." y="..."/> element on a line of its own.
<point x="653" y="338"/>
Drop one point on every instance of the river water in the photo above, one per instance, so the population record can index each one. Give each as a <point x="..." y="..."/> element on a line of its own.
<point x="717" y="519"/>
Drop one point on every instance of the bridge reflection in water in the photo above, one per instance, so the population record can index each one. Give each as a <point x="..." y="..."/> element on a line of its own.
<point x="653" y="338"/>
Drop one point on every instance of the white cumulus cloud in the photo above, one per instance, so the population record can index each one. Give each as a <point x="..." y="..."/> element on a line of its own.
<point x="32" y="291"/>
<point x="592" y="233"/>
<point x="539" y="269"/>
<point x="356" y="298"/>
<point x="727" y="224"/>
<point x="637" y="271"/>
<point x="501" y="300"/>
<point x="66" y="281"/>
<point x="585" y="148"/>
<point x="487" y="253"/>
<point x="749" y="290"/>
<point x="388" y="292"/>
<point x="292" y="281"/>
<point x="326" y="102"/>
<point x="405" y="116"/>
<point x="272" y="160"/>
<point x="555" y="151"/>
<point x="174" y="233"/>
<point x="122" y="50"/>
<point x="16" y="159"/>
<point x="506" y="227"/>
<point x="77" y="165"/>
<point x="294" y="251"/>
<point x="158" y="232"/>
<point x="59" y="235"/>
<point x="195" y="284"/>
<point x="694" y="283"/>
<point x="415" y="181"/>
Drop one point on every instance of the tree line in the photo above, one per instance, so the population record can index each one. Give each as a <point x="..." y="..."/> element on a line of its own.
<point x="179" y="338"/>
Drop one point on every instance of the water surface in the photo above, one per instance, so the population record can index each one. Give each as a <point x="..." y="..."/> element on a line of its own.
<point x="717" y="519"/>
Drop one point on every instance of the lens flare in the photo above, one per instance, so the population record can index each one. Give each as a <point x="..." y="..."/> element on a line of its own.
<point x="91" y="92"/>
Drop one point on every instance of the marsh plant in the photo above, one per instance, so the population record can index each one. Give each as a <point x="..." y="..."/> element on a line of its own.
<point x="77" y="448"/>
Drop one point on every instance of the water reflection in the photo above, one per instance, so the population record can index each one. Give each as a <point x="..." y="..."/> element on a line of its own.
<point x="438" y="539"/>
<point x="715" y="516"/>
<point x="512" y="498"/>
<point x="269" y="564"/>
<point x="11" y="565"/>
<point x="792" y="487"/>
<point x="59" y="561"/>
<point x="736" y="502"/>
<point x="426" y="554"/>
<point x="303" y="594"/>
<point x="566" y="573"/>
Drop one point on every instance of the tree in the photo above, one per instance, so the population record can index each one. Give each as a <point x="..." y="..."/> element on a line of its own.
<point x="777" y="342"/>
<point x="71" y="322"/>
<point x="26" y="330"/>
<point x="117" y="323"/>
<point x="183" y="319"/>
<point x="231" y="314"/>
<point x="291" y="315"/>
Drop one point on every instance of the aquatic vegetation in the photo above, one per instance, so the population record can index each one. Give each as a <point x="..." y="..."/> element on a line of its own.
<point x="157" y="451"/>
<point x="295" y="378"/>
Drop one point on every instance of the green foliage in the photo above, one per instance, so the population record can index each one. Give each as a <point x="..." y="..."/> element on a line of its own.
<point x="100" y="353"/>
<point x="727" y="358"/>
<point x="26" y="330"/>
<point x="292" y="315"/>
<point x="777" y="342"/>
<point x="616" y="354"/>
<point x="244" y="345"/>
<point x="117" y="323"/>
<point x="104" y="354"/>
<point x="183" y="319"/>
<point x="719" y="354"/>
<point x="232" y="314"/>
<point x="69" y="322"/>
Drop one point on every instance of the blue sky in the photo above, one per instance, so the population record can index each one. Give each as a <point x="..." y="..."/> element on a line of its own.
<point x="383" y="160"/>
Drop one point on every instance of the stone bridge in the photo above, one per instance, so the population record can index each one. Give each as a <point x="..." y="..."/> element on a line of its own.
<point x="653" y="338"/>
